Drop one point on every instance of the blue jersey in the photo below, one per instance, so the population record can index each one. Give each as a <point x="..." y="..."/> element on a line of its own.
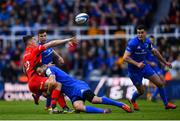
<point x="70" y="86"/>
<point x="47" y="56"/>
<point x="139" y="51"/>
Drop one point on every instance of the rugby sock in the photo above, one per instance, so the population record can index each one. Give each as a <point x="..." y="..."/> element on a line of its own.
<point x="154" y="95"/>
<point x="163" y="95"/>
<point x="135" y="96"/>
<point x="91" y="109"/>
<point x="61" y="101"/>
<point x="54" y="97"/>
<point x="48" y="102"/>
<point x="109" y="101"/>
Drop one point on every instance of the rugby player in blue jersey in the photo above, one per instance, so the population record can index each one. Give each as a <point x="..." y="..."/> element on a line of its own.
<point x="78" y="91"/>
<point x="135" y="55"/>
<point x="49" y="56"/>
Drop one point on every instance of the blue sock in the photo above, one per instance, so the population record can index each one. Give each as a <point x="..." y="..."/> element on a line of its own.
<point x="135" y="96"/>
<point x="91" y="109"/>
<point x="154" y="95"/>
<point x="163" y="95"/>
<point x="48" y="102"/>
<point x="109" y="101"/>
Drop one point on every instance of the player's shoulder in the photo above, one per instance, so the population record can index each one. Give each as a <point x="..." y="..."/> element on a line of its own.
<point x="133" y="41"/>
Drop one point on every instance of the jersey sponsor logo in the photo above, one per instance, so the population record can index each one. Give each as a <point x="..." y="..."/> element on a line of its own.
<point x="139" y="53"/>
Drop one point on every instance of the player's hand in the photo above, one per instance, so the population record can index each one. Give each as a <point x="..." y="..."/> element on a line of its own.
<point x="168" y="64"/>
<point x="141" y="64"/>
<point x="152" y="64"/>
<point x="73" y="41"/>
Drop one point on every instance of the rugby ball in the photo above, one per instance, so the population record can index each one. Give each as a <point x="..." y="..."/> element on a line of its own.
<point x="81" y="18"/>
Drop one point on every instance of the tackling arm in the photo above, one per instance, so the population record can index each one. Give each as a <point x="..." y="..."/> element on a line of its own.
<point x="57" y="58"/>
<point x="59" y="42"/>
<point x="159" y="56"/>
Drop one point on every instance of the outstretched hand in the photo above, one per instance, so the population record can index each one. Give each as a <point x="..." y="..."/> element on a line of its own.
<point x="168" y="64"/>
<point x="73" y="42"/>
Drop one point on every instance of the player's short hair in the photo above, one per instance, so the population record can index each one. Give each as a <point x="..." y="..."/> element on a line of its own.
<point x="140" y="27"/>
<point x="27" y="38"/>
<point x="37" y="66"/>
<point x="41" y="31"/>
<point x="151" y="36"/>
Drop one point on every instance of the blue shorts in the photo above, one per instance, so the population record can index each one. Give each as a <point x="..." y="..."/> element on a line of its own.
<point x="137" y="76"/>
<point x="79" y="97"/>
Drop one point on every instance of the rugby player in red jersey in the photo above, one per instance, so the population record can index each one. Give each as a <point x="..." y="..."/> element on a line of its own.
<point x="32" y="56"/>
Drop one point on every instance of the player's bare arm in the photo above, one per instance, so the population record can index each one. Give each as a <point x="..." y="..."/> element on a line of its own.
<point x="159" y="56"/>
<point x="57" y="57"/>
<point x="54" y="43"/>
<point x="152" y="64"/>
<point x="52" y="84"/>
<point x="128" y="59"/>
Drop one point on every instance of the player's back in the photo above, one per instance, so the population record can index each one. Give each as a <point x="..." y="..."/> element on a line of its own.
<point x="70" y="86"/>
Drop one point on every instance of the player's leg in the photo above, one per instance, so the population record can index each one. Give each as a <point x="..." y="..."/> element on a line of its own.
<point x="90" y="96"/>
<point x="154" y="94"/>
<point x="36" y="98"/>
<point x="159" y="72"/>
<point x="136" y="78"/>
<point x="79" y="106"/>
<point x="55" y="87"/>
<point x="160" y="84"/>
<point x="62" y="103"/>
<point x="48" y="103"/>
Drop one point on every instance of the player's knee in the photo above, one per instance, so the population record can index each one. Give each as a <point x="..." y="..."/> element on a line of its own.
<point x="78" y="106"/>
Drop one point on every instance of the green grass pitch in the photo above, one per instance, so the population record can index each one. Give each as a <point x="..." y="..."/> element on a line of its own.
<point x="23" y="110"/>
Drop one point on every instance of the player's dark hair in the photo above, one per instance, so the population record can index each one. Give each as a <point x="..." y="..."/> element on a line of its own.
<point x="151" y="36"/>
<point x="37" y="65"/>
<point x="41" y="31"/>
<point x="27" y="38"/>
<point x="139" y="27"/>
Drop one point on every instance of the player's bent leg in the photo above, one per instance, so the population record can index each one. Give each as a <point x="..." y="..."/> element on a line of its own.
<point x="90" y="96"/>
<point x="108" y="101"/>
<point x="160" y="84"/>
<point x="79" y="106"/>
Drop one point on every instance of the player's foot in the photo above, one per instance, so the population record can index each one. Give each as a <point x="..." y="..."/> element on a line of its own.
<point x="107" y="110"/>
<point x="67" y="110"/>
<point x="48" y="108"/>
<point x="55" y="111"/>
<point x="126" y="108"/>
<point x="134" y="104"/>
<point x="36" y="99"/>
<point x="170" y="106"/>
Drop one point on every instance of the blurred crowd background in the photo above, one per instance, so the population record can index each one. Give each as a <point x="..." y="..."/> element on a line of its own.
<point x="90" y="58"/>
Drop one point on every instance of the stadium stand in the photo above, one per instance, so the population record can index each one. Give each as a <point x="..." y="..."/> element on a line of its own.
<point x="103" y="39"/>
